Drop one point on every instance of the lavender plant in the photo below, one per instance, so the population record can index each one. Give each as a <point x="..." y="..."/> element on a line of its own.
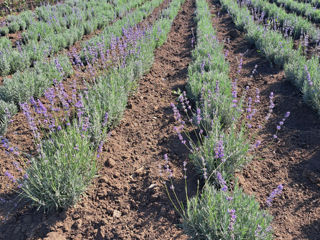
<point x="218" y="214"/>
<point x="34" y="82"/>
<point x="7" y="110"/>
<point x="60" y="174"/>
<point x="223" y="151"/>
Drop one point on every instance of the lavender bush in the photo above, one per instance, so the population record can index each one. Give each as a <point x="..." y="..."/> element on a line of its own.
<point x="218" y="214"/>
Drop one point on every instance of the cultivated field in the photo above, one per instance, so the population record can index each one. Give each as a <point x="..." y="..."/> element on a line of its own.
<point x="160" y="119"/>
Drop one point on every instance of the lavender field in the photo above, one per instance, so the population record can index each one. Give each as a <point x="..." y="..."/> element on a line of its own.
<point x="160" y="119"/>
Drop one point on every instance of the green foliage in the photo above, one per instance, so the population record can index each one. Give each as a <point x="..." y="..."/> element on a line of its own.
<point x="4" y="31"/>
<point x="207" y="216"/>
<point x="58" y="177"/>
<point x="299" y="24"/>
<point x="13" y="27"/>
<point x="209" y="82"/>
<point x="234" y="145"/>
<point x="33" y="82"/>
<point x="7" y="110"/>
<point x="302" y="8"/>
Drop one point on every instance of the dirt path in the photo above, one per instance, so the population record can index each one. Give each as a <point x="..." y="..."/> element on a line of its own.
<point x="292" y="159"/>
<point x="127" y="200"/>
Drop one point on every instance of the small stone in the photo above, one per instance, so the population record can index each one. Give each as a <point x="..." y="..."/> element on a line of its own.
<point x="139" y="171"/>
<point x="104" y="222"/>
<point x="110" y="163"/>
<point x="67" y="226"/>
<point x="152" y="186"/>
<point x="103" y="179"/>
<point x="77" y="224"/>
<point x="116" y="175"/>
<point x="116" y="214"/>
<point x="55" y="236"/>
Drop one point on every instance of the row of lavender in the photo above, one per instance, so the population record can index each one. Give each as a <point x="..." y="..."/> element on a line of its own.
<point x="220" y="146"/>
<point x="302" y="8"/>
<point x="303" y="73"/>
<point x="66" y="158"/>
<point x="58" y="15"/>
<point x="33" y="82"/>
<point x="62" y="28"/>
<point x="296" y="25"/>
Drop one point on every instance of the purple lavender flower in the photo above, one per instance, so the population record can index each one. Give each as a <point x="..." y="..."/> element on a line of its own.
<point x="273" y="194"/>
<point x="5" y="143"/>
<point x="10" y="176"/>
<point x="229" y="198"/>
<point x="165" y="156"/>
<point x="222" y="182"/>
<point x="233" y="218"/>
<point x="185" y="169"/>
<point x="226" y="53"/>
<point x="308" y="76"/>
<point x="17" y="166"/>
<point x="58" y="66"/>
<point x="219" y="151"/>
<point x="198" y="116"/>
<point x="85" y="124"/>
<point x="257" y="144"/>
<point x="105" y="120"/>
<point x="50" y="95"/>
<point x="79" y="106"/>
<point x="287" y="114"/>
<point x="26" y="111"/>
<point x="257" y="100"/>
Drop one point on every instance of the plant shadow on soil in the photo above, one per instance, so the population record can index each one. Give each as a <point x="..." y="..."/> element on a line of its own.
<point x="31" y="222"/>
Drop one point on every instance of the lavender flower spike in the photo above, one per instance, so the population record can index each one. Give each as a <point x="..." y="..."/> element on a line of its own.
<point x="233" y="218"/>
<point x="273" y="194"/>
<point x="222" y="182"/>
